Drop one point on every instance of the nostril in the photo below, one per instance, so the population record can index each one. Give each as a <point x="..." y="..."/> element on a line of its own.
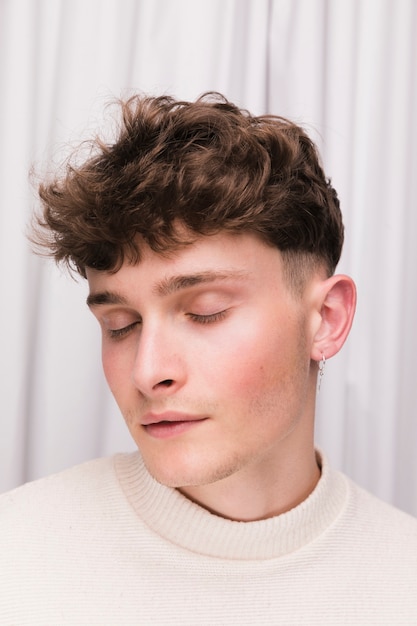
<point x="166" y="383"/>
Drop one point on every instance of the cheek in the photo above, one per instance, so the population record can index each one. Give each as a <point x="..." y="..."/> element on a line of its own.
<point x="244" y="363"/>
<point x="110" y="374"/>
<point x="266" y="365"/>
<point x="116" y="367"/>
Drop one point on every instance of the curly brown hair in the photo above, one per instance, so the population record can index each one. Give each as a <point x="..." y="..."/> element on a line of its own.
<point x="206" y="165"/>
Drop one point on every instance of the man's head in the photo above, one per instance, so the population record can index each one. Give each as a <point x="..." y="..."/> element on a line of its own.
<point x="206" y="166"/>
<point x="209" y="239"/>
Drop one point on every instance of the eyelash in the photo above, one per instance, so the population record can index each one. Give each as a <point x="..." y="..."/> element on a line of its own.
<point x="207" y="319"/>
<point x="119" y="333"/>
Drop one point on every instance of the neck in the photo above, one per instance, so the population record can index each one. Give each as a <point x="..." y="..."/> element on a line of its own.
<point x="268" y="488"/>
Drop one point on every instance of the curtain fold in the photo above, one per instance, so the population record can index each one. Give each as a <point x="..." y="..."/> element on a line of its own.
<point x="346" y="70"/>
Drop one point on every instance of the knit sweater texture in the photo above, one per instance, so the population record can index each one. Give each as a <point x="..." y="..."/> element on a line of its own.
<point x="105" y="544"/>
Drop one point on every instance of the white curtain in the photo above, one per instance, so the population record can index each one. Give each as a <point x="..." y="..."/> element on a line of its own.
<point x="346" y="70"/>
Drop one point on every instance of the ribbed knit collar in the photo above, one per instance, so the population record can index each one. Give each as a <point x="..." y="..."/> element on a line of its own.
<point x="184" y="523"/>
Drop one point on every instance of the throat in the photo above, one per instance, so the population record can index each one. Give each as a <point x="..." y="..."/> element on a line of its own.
<point x="252" y="496"/>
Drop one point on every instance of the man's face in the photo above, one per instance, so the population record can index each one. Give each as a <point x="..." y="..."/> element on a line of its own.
<point x="207" y="353"/>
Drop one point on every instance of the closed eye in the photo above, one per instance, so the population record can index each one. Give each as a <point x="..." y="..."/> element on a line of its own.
<point x="118" y="333"/>
<point x="207" y="319"/>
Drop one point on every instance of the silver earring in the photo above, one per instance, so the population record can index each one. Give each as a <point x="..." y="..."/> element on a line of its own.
<point x="322" y="364"/>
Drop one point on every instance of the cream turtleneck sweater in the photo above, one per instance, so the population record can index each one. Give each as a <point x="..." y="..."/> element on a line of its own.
<point x="104" y="544"/>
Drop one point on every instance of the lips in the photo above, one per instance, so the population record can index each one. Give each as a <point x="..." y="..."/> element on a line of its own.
<point x="170" y="424"/>
<point x="169" y="416"/>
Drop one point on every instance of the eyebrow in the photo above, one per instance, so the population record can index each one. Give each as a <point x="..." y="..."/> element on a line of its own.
<point x="176" y="283"/>
<point x="169" y="285"/>
<point x="105" y="297"/>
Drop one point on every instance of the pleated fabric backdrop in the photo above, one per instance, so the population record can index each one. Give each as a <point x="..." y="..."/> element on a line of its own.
<point x="346" y="70"/>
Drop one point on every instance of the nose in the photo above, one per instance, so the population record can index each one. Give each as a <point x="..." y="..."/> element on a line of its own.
<point x="159" y="367"/>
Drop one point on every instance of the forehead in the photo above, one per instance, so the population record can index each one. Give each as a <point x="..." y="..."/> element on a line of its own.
<point x="219" y="257"/>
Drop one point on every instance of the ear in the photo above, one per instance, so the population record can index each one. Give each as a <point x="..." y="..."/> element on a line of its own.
<point x="337" y="308"/>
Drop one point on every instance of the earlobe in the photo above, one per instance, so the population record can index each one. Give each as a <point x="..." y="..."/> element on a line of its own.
<point x="338" y="302"/>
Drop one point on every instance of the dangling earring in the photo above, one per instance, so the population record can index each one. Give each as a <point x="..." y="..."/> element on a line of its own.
<point x="322" y="365"/>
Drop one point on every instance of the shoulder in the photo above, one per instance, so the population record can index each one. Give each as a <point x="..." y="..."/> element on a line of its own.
<point x="88" y="486"/>
<point x="361" y="515"/>
<point x="380" y="539"/>
<point x="61" y="539"/>
<point x="78" y="477"/>
<point x="385" y="519"/>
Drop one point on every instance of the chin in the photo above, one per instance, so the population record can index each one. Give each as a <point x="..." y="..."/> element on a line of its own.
<point x="189" y="470"/>
<point x="175" y="479"/>
<point x="176" y="475"/>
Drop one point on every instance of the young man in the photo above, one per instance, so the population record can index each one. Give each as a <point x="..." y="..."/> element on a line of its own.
<point x="209" y="239"/>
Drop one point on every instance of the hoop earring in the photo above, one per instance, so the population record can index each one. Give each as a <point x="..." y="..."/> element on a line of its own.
<point x="322" y="364"/>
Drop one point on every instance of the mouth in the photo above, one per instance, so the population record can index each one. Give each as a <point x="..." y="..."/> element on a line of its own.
<point x="170" y="424"/>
